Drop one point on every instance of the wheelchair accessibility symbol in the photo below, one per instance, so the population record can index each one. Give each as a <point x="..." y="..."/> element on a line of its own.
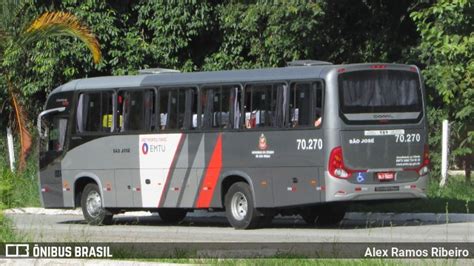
<point x="360" y="177"/>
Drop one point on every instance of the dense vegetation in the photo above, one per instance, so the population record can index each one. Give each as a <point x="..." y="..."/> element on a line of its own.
<point x="212" y="35"/>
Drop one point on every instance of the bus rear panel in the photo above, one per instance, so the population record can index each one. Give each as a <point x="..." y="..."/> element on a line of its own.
<point x="380" y="148"/>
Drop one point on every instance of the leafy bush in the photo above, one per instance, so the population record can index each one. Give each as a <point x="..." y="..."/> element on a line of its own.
<point x="446" y="49"/>
<point x="6" y="187"/>
<point x="6" y="231"/>
<point x="18" y="189"/>
<point x="435" y="117"/>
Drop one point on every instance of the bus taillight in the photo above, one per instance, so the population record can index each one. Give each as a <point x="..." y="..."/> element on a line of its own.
<point x="336" y="164"/>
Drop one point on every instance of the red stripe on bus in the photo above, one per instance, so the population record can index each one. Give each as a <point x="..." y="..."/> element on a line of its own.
<point x="175" y="157"/>
<point x="211" y="176"/>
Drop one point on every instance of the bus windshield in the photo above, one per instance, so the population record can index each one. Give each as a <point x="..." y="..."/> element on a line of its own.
<point x="379" y="91"/>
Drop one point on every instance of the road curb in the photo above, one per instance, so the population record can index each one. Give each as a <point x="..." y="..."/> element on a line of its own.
<point x="394" y="217"/>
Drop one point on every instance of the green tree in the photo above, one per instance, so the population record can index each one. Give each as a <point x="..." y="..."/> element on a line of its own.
<point x="368" y="31"/>
<point x="446" y="48"/>
<point x="180" y="34"/>
<point x="263" y="34"/>
<point x="16" y="37"/>
<point x="266" y="33"/>
<point x="133" y="35"/>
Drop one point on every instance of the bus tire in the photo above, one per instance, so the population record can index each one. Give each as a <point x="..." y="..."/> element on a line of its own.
<point x="91" y="204"/>
<point x="172" y="215"/>
<point x="239" y="207"/>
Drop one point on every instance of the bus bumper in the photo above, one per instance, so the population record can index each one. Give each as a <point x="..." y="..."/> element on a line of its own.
<point x="342" y="190"/>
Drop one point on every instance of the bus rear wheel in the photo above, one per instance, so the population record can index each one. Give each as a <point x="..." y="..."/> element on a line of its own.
<point x="92" y="209"/>
<point x="239" y="207"/>
<point x="171" y="215"/>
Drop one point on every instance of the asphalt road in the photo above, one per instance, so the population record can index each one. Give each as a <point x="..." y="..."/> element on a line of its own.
<point x="202" y="227"/>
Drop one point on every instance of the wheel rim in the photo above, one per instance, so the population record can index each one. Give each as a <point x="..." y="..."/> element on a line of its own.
<point x="94" y="203"/>
<point x="239" y="206"/>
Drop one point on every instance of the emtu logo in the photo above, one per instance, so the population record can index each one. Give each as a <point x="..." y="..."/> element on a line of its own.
<point x="145" y="148"/>
<point x="152" y="148"/>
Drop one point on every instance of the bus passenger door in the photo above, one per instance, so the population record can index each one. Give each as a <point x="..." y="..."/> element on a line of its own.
<point x="52" y="145"/>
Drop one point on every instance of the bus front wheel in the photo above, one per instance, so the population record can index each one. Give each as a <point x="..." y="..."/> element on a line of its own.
<point x="92" y="209"/>
<point x="239" y="207"/>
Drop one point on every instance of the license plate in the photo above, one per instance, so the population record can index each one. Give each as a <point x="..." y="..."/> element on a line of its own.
<point x="386" y="176"/>
<point x="385" y="189"/>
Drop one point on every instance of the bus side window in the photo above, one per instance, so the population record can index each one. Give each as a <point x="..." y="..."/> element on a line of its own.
<point x="235" y="104"/>
<point x="305" y="105"/>
<point x="216" y="105"/>
<point x="264" y="105"/>
<point x="189" y="109"/>
<point x="136" y="110"/>
<point x="168" y="101"/>
<point x="177" y="108"/>
<point x="107" y="111"/>
<point x="94" y="112"/>
<point x="300" y="105"/>
<point x="318" y="104"/>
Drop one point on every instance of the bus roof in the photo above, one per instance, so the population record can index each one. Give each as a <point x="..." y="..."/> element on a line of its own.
<point x="207" y="77"/>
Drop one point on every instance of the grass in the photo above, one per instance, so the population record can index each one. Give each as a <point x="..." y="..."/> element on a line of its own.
<point x="305" y="261"/>
<point x="16" y="190"/>
<point x="8" y="191"/>
<point x="7" y="234"/>
<point x="282" y="261"/>
<point x="19" y="190"/>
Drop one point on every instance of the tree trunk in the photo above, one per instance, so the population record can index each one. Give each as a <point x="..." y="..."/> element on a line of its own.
<point x="24" y="134"/>
<point x="468" y="167"/>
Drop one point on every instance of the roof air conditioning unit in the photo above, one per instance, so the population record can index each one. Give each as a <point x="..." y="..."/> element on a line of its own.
<point x="148" y="71"/>
<point x="307" y="63"/>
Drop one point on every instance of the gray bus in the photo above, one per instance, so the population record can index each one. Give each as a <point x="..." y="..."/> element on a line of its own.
<point x="306" y="139"/>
